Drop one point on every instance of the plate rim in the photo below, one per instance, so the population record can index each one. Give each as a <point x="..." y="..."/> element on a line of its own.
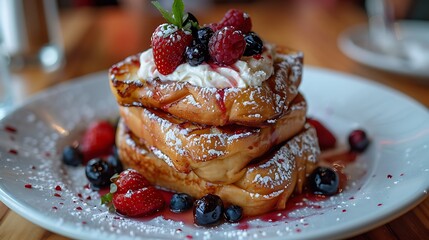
<point x="351" y="229"/>
<point x="361" y="55"/>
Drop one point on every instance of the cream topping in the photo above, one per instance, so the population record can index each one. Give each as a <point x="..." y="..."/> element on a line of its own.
<point x="247" y="72"/>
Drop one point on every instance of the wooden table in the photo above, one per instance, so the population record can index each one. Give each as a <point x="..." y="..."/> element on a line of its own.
<point x="97" y="38"/>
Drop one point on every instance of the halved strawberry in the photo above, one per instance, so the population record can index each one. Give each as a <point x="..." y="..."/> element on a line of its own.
<point x="97" y="140"/>
<point x="327" y="140"/>
<point x="138" y="202"/>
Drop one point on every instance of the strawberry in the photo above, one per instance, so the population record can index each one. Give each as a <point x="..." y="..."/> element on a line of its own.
<point x="97" y="140"/>
<point x="130" y="180"/>
<point x="169" y="40"/>
<point x="238" y="19"/>
<point x="169" y="44"/>
<point x="132" y="195"/>
<point x="326" y="138"/>
<point x="140" y="202"/>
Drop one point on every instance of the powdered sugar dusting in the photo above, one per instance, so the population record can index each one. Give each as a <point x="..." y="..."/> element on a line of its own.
<point x="60" y="120"/>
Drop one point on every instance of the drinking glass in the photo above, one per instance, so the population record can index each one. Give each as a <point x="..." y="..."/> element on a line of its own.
<point x="5" y="87"/>
<point x="31" y="34"/>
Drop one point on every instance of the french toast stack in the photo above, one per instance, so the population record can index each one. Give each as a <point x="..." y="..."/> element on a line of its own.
<point x="250" y="146"/>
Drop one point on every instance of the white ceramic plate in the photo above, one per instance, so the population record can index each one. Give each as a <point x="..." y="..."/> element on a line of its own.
<point x="385" y="182"/>
<point x="355" y="43"/>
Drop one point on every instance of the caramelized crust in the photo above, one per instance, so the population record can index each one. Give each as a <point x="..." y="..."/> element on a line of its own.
<point x="265" y="185"/>
<point x="217" y="107"/>
<point x="216" y="154"/>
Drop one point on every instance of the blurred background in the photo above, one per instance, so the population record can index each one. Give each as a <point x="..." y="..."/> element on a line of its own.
<point x="50" y="41"/>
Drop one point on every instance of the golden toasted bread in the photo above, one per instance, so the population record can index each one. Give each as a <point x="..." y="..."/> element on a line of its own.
<point x="250" y="106"/>
<point x="216" y="154"/>
<point x="265" y="185"/>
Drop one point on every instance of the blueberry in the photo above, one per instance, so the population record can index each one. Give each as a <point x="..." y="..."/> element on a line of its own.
<point x="324" y="181"/>
<point x="233" y="213"/>
<point x="254" y="44"/>
<point x="98" y="173"/>
<point x="208" y="210"/>
<point x="115" y="163"/>
<point x="204" y="35"/>
<point x="72" y="156"/>
<point x="181" y="202"/>
<point x="196" y="53"/>
<point x="358" y="141"/>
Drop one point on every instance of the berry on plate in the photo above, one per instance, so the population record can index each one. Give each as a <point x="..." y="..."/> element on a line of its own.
<point x="97" y="140"/>
<point x="98" y="173"/>
<point x="129" y="179"/>
<point x="208" y="210"/>
<point x="181" y="202"/>
<point x="72" y="156"/>
<point x="324" y="181"/>
<point x="233" y="213"/>
<point x="358" y="141"/>
<point x="132" y="195"/>
<point x="140" y="202"/>
<point x="226" y="46"/>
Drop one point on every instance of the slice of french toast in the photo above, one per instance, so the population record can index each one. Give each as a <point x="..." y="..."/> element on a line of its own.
<point x="216" y="154"/>
<point x="250" y="106"/>
<point x="266" y="185"/>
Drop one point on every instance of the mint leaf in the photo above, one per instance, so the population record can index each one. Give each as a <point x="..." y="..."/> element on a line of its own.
<point x="178" y="8"/>
<point x="166" y="14"/>
<point x="107" y="198"/>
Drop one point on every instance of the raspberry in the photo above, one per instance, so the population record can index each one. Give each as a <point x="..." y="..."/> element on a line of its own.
<point x="238" y="19"/>
<point x="226" y="46"/>
<point x="213" y="26"/>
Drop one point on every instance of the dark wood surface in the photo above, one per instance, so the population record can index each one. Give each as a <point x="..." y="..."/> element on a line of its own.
<point x="96" y="38"/>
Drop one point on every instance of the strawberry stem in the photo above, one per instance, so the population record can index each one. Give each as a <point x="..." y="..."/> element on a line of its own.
<point x="107" y="198"/>
<point x="178" y="8"/>
<point x="176" y="17"/>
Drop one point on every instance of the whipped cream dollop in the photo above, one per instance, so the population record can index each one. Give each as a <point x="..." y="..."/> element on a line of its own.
<point x="246" y="72"/>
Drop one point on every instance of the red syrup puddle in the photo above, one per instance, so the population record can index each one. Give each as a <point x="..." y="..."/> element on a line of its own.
<point x="305" y="200"/>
